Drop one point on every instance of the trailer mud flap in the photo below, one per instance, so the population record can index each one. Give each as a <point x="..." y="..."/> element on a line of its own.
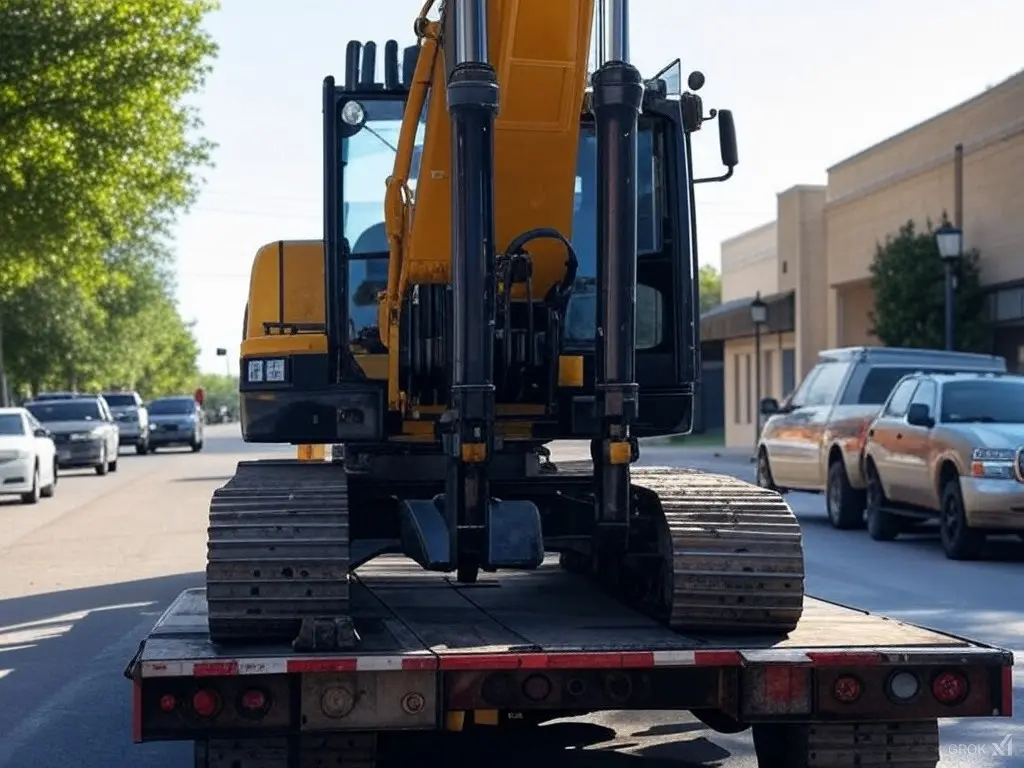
<point x="515" y="538"/>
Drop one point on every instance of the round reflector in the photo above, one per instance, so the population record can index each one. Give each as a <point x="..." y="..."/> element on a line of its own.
<point x="168" y="703"/>
<point x="904" y="686"/>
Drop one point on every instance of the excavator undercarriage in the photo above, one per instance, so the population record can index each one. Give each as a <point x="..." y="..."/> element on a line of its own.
<point x="511" y="311"/>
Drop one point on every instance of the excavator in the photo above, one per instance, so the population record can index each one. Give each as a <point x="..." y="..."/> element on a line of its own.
<point x="509" y="259"/>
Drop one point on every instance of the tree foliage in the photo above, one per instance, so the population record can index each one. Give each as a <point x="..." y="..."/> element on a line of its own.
<point x="908" y="280"/>
<point x="96" y="143"/>
<point x="221" y="389"/>
<point x="99" y="153"/>
<point x="710" y="285"/>
<point x="128" y="333"/>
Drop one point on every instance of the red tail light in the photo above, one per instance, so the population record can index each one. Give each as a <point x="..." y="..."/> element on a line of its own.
<point x="168" y="703"/>
<point x="205" y="703"/>
<point x="949" y="687"/>
<point x="254" y="700"/>
<point x="847" y="689"/>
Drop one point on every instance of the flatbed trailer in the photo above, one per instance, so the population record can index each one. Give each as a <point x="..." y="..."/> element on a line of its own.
<point x="845" y="688"/>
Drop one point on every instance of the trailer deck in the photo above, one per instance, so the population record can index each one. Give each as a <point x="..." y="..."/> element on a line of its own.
<point x="410" y="618"/>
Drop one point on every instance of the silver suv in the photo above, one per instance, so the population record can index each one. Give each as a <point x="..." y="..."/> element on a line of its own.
<point x="132" y="419"/>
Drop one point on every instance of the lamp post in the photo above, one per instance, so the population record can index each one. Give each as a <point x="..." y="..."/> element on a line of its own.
<point x="758" y="317"/>
<point x="221" y="352"/>
<point x="950" y="240"/>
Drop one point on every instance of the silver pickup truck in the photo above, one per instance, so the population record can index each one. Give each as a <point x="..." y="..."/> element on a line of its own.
<point x="814" y="441"/>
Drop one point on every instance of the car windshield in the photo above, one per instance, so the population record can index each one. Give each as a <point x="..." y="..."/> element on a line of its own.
<point x="176" y="407"/>
<point x="983" y="401"/>
<point x="66" y="410"/>
<point x="11" y="424"/>
<point x="119" y="400"/>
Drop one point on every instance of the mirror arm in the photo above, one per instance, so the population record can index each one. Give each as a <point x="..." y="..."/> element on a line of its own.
<point x="725" y="177"/>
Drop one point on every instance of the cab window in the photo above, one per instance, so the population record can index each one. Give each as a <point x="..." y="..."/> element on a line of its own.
<point x="822" y="385"/>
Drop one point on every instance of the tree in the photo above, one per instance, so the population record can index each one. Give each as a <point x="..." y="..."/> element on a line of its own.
<point x="96" y="144"/>
<point x="126" y="333"/>
<point x="908" y="280"/>
<point x="710" y="284"/>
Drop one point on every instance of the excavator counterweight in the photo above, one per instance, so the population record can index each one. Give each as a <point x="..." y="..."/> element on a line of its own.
<point x="508" y="259"/>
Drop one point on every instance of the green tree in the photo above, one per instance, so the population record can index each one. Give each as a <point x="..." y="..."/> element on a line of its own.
<point x="125" y="333"/>
<point x="710" y="286"/>
<point x="96" y="142"/>
<point x="908" y="280"/>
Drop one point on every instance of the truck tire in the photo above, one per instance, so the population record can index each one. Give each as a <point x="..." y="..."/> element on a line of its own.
<point x="845" y="504"/>
<point x="764" y="477"/>
<point x="960" y="541"/>
<point x="882" y="525"/>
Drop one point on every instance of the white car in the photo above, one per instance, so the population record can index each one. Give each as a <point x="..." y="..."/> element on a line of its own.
<point x="28" y="457"/>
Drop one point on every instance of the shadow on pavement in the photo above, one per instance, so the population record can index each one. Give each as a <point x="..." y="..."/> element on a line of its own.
<point x="586" y="745"/>
<point x="43" y="635"/>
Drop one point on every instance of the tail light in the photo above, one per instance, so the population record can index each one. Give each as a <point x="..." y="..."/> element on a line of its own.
<point x="205" y="702"/>
<point x="847" y="689"/>
<point x="949" y="688"/>
<point x="254" y="703"/>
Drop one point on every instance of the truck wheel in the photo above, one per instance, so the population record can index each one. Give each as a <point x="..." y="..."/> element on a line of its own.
<point x="960" y="541"/>
<point x="142" y="448"/>
<point x="845" y="504"/>
<point x="196" y="447"/>
<point x="882" y="525"/>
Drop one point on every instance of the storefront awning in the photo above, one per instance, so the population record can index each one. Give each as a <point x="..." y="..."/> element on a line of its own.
<point x="731" y="320"/>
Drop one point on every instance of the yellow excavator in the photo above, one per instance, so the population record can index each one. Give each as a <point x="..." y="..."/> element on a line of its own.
<point x="508" y="259"/>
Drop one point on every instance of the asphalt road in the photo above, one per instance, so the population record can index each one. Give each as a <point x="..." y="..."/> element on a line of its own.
<point x="84" y="575"/>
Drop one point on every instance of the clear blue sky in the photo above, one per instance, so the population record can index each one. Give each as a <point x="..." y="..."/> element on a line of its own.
<point x="810" y="84"/>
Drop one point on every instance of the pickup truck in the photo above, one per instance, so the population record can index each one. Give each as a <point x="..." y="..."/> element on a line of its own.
<point x="846" y="688"/>
<point x="814" y="441"/>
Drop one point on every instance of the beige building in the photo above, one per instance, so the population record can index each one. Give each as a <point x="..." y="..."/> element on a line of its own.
<point x="811" y="265"/>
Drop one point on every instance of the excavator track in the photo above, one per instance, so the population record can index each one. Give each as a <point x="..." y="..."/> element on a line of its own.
<point x="730" y="552"/>
<point x="278" y="550"/>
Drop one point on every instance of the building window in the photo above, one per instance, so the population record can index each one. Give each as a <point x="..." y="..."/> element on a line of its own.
<point x="736" y="391"/>
<point x="769" y="374"/>
<point x="750" y="389"/>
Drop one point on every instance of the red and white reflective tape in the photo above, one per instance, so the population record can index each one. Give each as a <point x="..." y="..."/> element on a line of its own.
<point x="482" y="662"/>
<point x="280" y="665"/>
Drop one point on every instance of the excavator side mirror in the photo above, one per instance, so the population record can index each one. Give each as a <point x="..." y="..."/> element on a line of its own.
<point x="727" y="139"/>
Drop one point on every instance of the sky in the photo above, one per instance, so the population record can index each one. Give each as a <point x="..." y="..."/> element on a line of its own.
<point x="809" y="83"/>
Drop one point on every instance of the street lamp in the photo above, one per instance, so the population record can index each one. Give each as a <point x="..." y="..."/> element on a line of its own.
<point x="950" y="240"/>
<point x="221" y="352"/>
<point x="758" y="317"/>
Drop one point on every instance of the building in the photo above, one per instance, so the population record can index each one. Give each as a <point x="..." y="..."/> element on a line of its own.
<point x="811" y="265"/>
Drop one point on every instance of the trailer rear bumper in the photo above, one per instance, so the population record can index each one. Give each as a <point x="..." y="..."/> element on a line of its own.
<point x="181" y="699"/>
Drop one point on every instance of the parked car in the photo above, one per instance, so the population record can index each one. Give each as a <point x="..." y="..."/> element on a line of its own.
<point x="28" y="456"/>
<point x="175" y="421"/>
<point x="814" y="441"/>
<point x="948" y="447"/>
<point x="83" y="430"/>
<point x="132" y="419"/>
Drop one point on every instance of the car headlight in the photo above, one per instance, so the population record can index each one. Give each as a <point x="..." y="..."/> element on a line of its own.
<point x="994" y="463"/>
